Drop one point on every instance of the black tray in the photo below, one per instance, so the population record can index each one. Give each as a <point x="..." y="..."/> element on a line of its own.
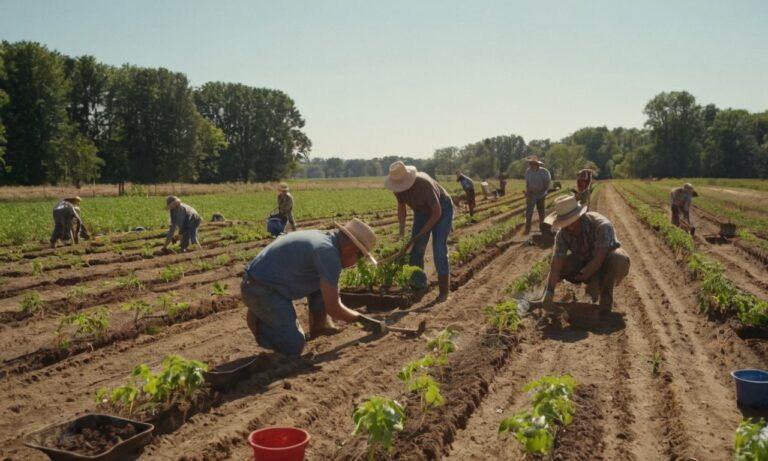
<point x="230" y="373"/>
<point x="43" y="437"/>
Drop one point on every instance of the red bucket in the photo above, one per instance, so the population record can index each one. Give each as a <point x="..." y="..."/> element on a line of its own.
<point x="279" y="443"/>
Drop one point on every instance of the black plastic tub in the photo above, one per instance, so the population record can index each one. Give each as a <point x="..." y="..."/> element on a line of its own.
<point x="49" y="440"/>
<point x="229" y="374"/>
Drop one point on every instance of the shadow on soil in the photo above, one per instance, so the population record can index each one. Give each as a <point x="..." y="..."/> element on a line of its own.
<point x="560" y="330"/>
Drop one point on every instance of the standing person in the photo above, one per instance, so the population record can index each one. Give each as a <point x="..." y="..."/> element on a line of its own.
<point x="285" y="204"/>
<point x="469" y="190"/>
<point x="302" y="264"/>
<point x="66" y="213"/>
<point x="681" y="198"/>
<point x="583" y="185"/>
<point x="595" y="257"/>
<point x="537" y="181"/>
<point x="186" y="219"/>
<point x="502" y="184"/>
<point x="432" y="213"/>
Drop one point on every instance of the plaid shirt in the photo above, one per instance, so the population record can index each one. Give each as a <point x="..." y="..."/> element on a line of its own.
<point x="284" y="203"/>
<point x="596" y="232"/>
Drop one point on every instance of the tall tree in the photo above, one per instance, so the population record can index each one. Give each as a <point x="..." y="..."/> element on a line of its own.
<point x="675" y="124"/>
<point x="731" y="149"/>
<point x="35" y="117"/>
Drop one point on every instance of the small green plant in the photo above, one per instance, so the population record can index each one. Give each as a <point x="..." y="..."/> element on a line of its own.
<point x="219" y="289"/>
<point x="31" y="303"/>
<point x="171" y="273"/>
<point x="442" y="345"/>
<point x="204" y="265"/>
<point x="505" y="316"/>
<point x="139" y="308"/>
<point x="221" y="260"/>
<point x="37" y="268"/>
<point x="91" y="324"/>
<point x="130" y="282"/>
<point x="76" y="294"/>
<point x="655" y="363"/>
<point x="380" y="418"/>
<point x="751" y="442"/>
<point x="168" y="303"/>
<point x="148" y="251"/>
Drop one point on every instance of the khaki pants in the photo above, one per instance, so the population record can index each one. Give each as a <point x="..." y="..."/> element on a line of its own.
<point x="615" y="267"/>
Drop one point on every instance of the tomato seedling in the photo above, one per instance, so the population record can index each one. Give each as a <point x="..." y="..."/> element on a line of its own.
<point x="380" y="418"/>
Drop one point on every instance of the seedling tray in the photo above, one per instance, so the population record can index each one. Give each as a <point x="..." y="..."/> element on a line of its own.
<point x="229" y="374"/>
<point x="50" y="439"/>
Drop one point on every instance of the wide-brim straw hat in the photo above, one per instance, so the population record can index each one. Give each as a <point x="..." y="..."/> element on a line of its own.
<point x="283" y="187"/>
<point x="567" y="210"/>
<point x="170" y="201"/>
<point x="362" y="236"/>
<point x="688" y="187"/>
<point x="401" y="177"/>
<point x="534" y="159"/>
<point x="72" y="199"/>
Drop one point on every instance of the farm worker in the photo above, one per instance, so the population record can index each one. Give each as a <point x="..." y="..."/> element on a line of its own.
<point x="595" y="255"/>
<point x="305" y="263"/>
<point x="469" y="190"/>
<point x="65" y="215"/>
<point x="502" y="184"/>
<point x="432" y="213"/>
<point x="583" y="183"/>
<point x="285" y="204"/>
<point x="186" y="219"/>
<point x="537" y="181"/>
<point x="681" y="201"/>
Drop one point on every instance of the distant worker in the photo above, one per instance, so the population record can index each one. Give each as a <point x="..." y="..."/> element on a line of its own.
<point x="595" y="257"/>
<point x="502" y="184"/>
<point x="285" y="205"/>
<point x="469" y="190"/>
<point x="66" y="214"/>
<point x="186" y="219"/>
<point x="302" y="264"/>
<point x="432" y="214"/>
<point x="681" y="198"/>
<point x="583" y="186"/>
<point x="537" y="181"/>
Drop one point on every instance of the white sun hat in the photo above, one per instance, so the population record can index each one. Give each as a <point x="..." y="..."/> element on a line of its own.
<point x="401" y="177"/>
<point x="362" y="236"/>
<point x="567" y="210"/>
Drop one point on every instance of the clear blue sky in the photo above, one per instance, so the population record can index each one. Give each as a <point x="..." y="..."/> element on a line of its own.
<point x="404" y="77"/>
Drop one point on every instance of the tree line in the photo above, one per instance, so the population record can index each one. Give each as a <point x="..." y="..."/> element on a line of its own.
<point x="73" y="119"/>
<point x="680" y="139"/>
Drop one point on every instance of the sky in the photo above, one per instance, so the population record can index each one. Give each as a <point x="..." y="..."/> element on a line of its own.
<point x="406" y="77"/>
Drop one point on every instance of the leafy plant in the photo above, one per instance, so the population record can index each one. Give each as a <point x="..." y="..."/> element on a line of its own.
<point x="168" y="303"/>
<point x="31" y="303"/>
<point x="751" y="442"/>
<point x="37" y="268"/>
<point x="442" y="345"/>
<point x="532" y="431"/>
<point x="219" y="289"/>
<point x="221" y="260"/>
<point x="139" y="308"/>
<point x="505" y="316"/>
<point x="171" y="273"/>
<point x="92" y="323"/>
<point x="76" y="294"/>
<point x="380" y="418"/>
<point x="130" y="282"/>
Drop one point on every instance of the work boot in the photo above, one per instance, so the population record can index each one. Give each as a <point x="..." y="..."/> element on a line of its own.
<point x="606" y="299"/>
<point x="444" y="287"/>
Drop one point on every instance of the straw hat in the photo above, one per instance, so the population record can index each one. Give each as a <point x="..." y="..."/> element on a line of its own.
<point x="361" y="235"/>
<point x="534" y="159"/>
<point x="171" y="201"/>
<point x="401" y="177"/>
<point x="74" y="199"/>
<point x="283" y="187"/>
<point x="567" y="210"/>
<point x="688" y="187"/>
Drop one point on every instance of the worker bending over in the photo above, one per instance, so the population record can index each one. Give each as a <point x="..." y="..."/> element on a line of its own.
<point x="681" y="198"/>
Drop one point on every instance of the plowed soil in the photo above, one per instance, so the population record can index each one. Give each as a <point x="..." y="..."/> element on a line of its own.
<point x="685" y="410"/>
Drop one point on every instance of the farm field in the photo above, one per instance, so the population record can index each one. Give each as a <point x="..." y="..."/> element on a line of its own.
<point x="652" y="378"/>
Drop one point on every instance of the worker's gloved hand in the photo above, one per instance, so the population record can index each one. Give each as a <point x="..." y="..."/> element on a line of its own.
<point x="371" y="324"/>
<point x="548" y="301"/>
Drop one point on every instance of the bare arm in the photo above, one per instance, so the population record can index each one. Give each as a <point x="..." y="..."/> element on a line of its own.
<point x="333" y="305"/>
<point x="401" y="215"/>
<point x="555" y="267"/>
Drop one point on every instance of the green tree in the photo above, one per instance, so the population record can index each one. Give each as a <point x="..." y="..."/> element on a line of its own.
<point x="675" y="124"/>
<point x="75" y="160"/>
<point x="565" y="160"/>
<point x="731" y="149"/>
<point x="35" y="115"/>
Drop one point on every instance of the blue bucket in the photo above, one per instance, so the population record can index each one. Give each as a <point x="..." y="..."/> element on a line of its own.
<point x="751" y="387"/>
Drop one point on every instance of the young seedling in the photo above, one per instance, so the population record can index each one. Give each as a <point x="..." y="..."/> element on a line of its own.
<point x="168" y="304"/>
<point x="76" y="294"/>
<point x="130" y="282"/>
<point x="139" y="308"/>
<point x="37" y="268"/>
<point x="171" y="273"/>
<point x="655" y="363"/>
<point x="93" y="324"/>
<point x="31" y="304"/>
<point x="380" y="418"/>
<point x="504" y="316"/>
<point x="219" y="289"/>
<point x="221" y="260"/>
<point x="751" y="442"/>
<point x="442" y="345"/>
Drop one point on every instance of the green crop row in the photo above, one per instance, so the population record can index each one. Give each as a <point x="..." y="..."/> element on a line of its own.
<point x="470" y="245"/>
<point x="717" y="294"/>
<point x="31" y="220"/>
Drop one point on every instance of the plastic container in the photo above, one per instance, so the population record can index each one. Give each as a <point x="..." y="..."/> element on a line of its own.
<point x="751" y="387"/>
<point x="44" y="439"/>
<point x="279" y="443"/>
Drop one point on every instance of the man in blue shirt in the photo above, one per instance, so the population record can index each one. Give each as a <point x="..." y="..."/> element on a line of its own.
<point x="469" y="190"/>
<point x="303" y="264"/>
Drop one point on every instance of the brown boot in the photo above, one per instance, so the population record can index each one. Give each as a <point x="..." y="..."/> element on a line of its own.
<point x="444" y="286"/>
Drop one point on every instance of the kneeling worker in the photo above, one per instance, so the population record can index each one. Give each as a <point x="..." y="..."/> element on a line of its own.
<point x="595" y="257"/>
<point x="302" y="264"/>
